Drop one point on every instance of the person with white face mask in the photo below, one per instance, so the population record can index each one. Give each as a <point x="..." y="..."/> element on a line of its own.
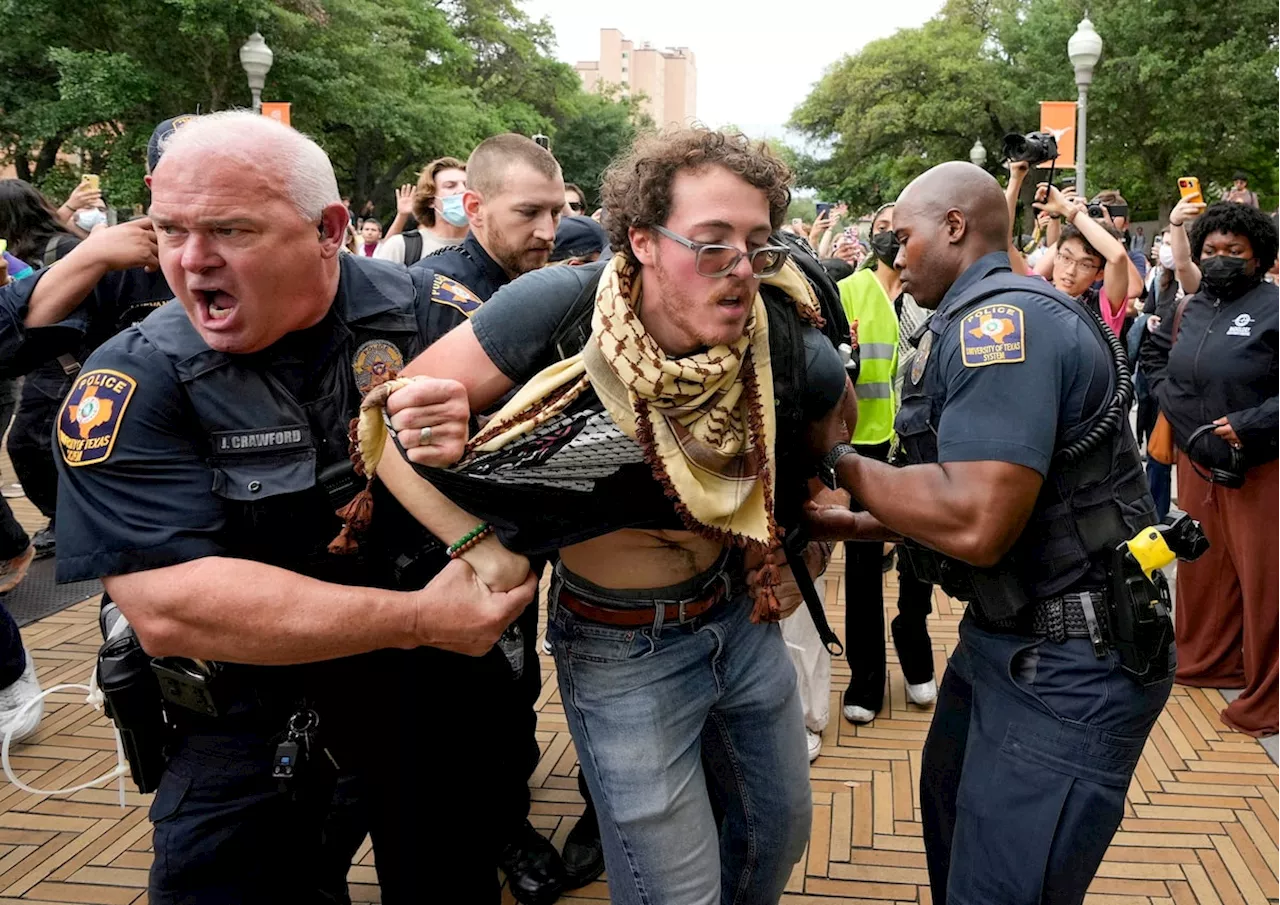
<point x="436" y="203"/>
<point x="1163" y="295"/>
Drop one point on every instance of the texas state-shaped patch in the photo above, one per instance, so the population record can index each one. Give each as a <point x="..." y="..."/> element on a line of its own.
<point x="993" y="335"/>
<point x="90" y="417"/>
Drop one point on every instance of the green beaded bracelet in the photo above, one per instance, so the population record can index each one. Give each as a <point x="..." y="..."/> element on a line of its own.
<point x="469" y="540"/>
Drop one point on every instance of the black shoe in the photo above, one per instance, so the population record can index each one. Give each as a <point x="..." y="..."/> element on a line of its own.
<point x="45" y="542"/>
<point x="886" y="561"/>
<point x="583" y="853"/>
<point x="533" y="867"/>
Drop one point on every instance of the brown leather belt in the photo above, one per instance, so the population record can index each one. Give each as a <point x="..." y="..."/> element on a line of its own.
<point x="636" y="617"/>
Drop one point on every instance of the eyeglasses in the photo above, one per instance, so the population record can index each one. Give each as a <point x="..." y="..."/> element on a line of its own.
<point x="577" y="206"/>
<point x="1075" y="265"/>
<point x="711" y="260"/>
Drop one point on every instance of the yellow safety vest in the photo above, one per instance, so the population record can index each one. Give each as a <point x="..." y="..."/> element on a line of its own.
<point x="866" y="302"/>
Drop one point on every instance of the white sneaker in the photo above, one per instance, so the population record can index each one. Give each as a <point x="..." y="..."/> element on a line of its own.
<point x="546" y="647"/>
<point x="13" y="718"/>
<point x="12" y="491"/>
<point x="815" y="744"/>
<point x="924" y="693"/>
<point x="855" y="714"/>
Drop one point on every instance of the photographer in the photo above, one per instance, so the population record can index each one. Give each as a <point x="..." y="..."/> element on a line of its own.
<point x="1213" y="369"/>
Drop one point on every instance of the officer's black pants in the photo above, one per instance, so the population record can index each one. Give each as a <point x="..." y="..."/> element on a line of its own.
<point x="30" y="442"/>
<point x="1025" y="768"/>
<point x="417" y="741"/>
<point x="864" y="618"/>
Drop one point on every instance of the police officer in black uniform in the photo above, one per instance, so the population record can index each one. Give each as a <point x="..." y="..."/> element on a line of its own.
<point x="1022" y="479"/>
<point x="512" y="187"/>
<point x="203" y="454"/>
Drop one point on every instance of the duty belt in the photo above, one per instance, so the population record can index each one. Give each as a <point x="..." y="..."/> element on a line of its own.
<point x="1067" y="616"/>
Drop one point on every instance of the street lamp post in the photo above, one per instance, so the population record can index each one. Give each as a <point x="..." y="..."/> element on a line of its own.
<point x="256" y="57"/>
<point x="978" y="154"/>
<point x="1084" y="49"/>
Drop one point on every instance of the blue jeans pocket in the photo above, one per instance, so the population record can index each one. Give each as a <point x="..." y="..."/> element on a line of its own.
<point x="600" y="643"/>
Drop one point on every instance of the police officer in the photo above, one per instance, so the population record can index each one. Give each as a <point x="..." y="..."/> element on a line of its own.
<point x="515" y="192"/>
<point x="201" y="462"/>
<point x="1016" y="505"/>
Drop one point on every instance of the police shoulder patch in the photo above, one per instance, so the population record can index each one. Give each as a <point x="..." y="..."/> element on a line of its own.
<point x="90" y="417"/>
<point x="454" y="294"/>
<point x="375" y="362"/>
<point x="993" y="335"/>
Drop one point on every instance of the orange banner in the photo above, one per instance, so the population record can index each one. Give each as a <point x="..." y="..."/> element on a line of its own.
<point x="1058" y="118"/>
<point x="279" y="111"/>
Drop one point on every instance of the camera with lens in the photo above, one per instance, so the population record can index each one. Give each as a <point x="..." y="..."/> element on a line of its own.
<point x="1034" y="147"/>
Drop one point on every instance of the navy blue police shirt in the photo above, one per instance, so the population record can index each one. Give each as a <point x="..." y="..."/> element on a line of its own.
<point x="136" y="486"/>
<point x="470" y="277"/>
<point x="1019" y="370"/>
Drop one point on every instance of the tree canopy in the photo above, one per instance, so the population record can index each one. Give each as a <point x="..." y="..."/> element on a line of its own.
<point x="1183" y="88"/>
<point x="383" y="85"/>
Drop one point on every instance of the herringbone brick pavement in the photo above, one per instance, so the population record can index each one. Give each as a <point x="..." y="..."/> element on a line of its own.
<point x="1200" y="824"/>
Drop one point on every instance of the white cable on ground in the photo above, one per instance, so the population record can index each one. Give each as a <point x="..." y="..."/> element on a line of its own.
<point x="94" y="697"/>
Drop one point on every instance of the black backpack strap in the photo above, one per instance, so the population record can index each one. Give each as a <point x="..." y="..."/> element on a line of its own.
<point x="574" y="329"/>
<point x="412" y="247"/>
<point x="50" y="251"/>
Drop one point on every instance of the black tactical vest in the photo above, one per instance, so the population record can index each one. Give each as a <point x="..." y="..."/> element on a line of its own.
<point x="281" y="463"/>
<point x="1084" y="509"/>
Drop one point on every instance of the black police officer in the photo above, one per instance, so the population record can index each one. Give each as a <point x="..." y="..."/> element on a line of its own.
<point x="1037" y="729"/>
<point x="202" y="459"/>
<point x="511" y="203"/>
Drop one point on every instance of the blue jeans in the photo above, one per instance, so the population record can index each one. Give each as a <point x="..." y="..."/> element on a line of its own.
<point x="1026" y="766"/>
<point x="1159" y="477"/>
<point x="665" y="718"/>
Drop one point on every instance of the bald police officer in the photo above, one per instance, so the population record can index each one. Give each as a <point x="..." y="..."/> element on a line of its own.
<point x="202" y="460"/>
<point x="1040" y="719"/>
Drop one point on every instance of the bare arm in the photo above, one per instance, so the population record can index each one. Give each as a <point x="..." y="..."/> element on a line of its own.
<point x="64" y="286"/>
<point x="404" y="209"/>
<point x="972" y="511"/>
<point x="458" y="356"/>
<point x="1187" y="272"/>
<point x="1116" y="274"/>
<point x="217" y="608"/>
<point x="496" y="566"/>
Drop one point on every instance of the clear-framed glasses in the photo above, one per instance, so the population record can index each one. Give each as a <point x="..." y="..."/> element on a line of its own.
<point x="711" y="260"/>
<point x="1076" y="265"/>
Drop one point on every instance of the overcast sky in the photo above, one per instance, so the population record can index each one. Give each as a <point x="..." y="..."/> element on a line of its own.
<point x="756" y="61"/>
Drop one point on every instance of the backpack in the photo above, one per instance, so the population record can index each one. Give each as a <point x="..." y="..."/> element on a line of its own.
<point x="412" y="247"/>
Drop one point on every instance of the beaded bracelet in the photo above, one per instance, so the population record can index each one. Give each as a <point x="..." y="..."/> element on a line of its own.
<point x="470" y="539"/>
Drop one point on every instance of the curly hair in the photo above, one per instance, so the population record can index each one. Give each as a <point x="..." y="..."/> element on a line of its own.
<point x="1240" y="220"/>
<point x="637" y="188"/>
<point x="424" y="196"/>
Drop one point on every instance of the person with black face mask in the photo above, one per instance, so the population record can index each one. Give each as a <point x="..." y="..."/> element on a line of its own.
<point x="1213" y="369"/>
<point x="873" y="301"/>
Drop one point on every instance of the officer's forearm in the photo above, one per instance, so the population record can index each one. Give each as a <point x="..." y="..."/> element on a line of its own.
<point x="218" y="608"/>
<point x="972" y="511"/>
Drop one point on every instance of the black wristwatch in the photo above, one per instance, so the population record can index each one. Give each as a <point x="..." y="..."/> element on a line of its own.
<point x="827" y="470"/>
